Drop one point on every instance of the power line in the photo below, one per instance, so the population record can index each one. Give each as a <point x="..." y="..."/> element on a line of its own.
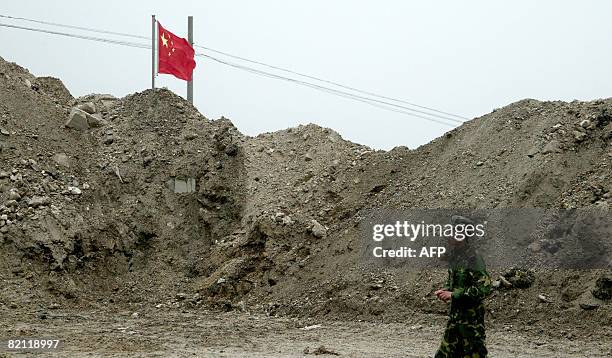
<point x="371" y="101"/>
<point x="83" y="37"/>
<point x="380" y="104"/>
<point x="75" y="27"/>
<point x="332" y="83"/>
<point x="453" y="117"/>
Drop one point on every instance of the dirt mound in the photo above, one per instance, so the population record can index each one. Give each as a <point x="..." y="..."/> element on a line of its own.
<point x="150" y="203"/>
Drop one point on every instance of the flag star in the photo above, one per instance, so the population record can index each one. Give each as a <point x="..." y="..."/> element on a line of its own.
<point x="164" y="40"/>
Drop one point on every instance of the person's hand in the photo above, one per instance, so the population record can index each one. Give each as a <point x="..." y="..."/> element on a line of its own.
<point x="444" y="295"/>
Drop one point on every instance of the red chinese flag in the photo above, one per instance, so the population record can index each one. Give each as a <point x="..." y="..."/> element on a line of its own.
<point x="176" y="56"/>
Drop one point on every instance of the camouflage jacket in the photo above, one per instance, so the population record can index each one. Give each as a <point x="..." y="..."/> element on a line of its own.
<point x="469" y="284"/>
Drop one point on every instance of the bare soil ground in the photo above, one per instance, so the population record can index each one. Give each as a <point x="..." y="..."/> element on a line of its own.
<point x="163" y="333"/>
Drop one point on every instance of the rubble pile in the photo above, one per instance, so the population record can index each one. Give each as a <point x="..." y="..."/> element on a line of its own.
<point x="116" y="201"/>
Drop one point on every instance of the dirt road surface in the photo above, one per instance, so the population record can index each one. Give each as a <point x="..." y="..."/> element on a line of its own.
<point x="164" y="333"/>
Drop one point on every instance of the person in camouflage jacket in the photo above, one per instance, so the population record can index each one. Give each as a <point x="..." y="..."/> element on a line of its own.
<point x="467" y="286"/>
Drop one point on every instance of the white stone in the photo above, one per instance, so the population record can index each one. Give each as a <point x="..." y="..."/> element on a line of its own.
<point x="77" y="119"/>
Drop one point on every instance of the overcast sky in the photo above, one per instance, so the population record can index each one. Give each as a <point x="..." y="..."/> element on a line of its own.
<point x="463" y="57"/>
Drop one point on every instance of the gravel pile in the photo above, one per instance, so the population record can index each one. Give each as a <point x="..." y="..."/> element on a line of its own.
<point x="142" y="200"/>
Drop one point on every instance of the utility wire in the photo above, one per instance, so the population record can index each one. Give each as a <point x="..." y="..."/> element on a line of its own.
<point x="453" y="117"/>
<point x="333" y="83"/>
<point x="371" y="101"/>
<point x="91" y="38"/>
<point x="75" y="27"/>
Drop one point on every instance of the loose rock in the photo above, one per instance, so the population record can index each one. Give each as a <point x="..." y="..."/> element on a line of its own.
<point x="585" y="123"/>
<point x="39" y="201"/>
<point x="552" y="147"/>
<point x="14" y="195"/>
<point x="88" y="107"/>
<point x="72" y="190"/>
<point x="77" y="120"/>
<point x="579" y="136"/>
<point x="318" y="230"/>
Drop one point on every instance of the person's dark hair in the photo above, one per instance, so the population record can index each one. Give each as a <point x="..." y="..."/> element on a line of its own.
<point x="464" y="255"/>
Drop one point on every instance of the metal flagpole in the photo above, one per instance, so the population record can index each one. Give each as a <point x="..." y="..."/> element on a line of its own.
<point x="190" y="39"/>
<point x="153" y="41"/>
